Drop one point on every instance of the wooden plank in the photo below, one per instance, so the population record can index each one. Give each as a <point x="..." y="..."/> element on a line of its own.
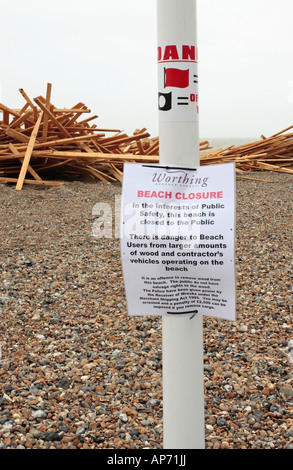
<point x="65" y="141"/>
<point x="9" y="110"/>
<point x="252" y="179"/>
<point x="154" y="148"/>
<point x="52" y="117"/>
<point x="99" y="174"/>
<point x="72" y="110"/>
<point x="89" y="119"/>
<point x="46" y="118"/>
<point x="68" y="119"/>
<point x="124" y="138"/>
<point x="19" y="136"/>
<point x="6" y="117"/>
<point x="76" y="154"/>
<point x="4" y="179"/>
<point x="269" y="167"/>
<point x="284" y="130"/>
<point x="27" y="99"/>
<point x="30" y="169"/>
<point x="27" y="156"/>
<point x="117" y="173"/>
<point x="49" y="166"/>
<point x="24" y="117"/>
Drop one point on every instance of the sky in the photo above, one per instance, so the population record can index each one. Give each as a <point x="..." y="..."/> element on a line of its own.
<point x="104" y="53"/>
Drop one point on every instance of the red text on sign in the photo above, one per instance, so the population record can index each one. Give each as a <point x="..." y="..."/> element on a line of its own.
<point x="159" y="194"/>
<point x="174" y="53"/>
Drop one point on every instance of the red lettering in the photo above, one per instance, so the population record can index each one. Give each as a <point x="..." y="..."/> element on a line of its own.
<point x="205" y="195"/>
<point x="171" y="53"/>
<point x="160" y="194"/>
<point x="188" y="52"/>
<point x="159" y="53"/>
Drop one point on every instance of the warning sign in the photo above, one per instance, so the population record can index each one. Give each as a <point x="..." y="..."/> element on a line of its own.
<point x="177" y="82"/>
<point x="177" y="240"/>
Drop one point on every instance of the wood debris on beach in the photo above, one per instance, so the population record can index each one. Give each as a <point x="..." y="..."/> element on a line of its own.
<point x="40" y="141"/>
<point x="274" y="153"/>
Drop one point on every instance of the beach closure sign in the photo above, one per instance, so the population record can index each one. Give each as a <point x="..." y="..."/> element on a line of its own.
<point x="177" y="240"/>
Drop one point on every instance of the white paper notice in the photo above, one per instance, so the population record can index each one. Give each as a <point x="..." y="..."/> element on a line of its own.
<point x="177" y="240"/>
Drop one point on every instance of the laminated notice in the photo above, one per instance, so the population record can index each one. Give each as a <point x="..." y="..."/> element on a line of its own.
<point x="177" y="240"/>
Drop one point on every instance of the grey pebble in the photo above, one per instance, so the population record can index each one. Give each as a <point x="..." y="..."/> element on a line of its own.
<point x="39" y="414"/>
<point x="52" y="436"/>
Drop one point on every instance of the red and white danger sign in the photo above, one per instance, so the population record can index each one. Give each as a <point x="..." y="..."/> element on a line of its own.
<point x="178" y="82"/>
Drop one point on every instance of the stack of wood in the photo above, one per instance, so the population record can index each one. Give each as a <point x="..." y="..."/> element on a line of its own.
<point x="40" y="140"/>
<point x="274" y="153"/>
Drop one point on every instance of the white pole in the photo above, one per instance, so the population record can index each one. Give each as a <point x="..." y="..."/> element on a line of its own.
<point x="183" y="385"/>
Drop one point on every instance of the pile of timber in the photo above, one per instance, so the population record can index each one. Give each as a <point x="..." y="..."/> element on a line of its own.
<point x="41" y="140"/>
<point x="273" y="153"/>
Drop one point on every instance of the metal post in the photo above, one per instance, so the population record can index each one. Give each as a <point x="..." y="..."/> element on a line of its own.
<point x="183" y="385"/>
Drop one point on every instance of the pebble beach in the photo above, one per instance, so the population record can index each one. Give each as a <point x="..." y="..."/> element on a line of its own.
<point x="76" y="372"/>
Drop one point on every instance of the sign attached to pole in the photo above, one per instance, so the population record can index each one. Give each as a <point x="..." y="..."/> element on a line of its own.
<point x="177" y="82"/>
<point x="177" y="245"/>
<point x="178" y="230"/>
